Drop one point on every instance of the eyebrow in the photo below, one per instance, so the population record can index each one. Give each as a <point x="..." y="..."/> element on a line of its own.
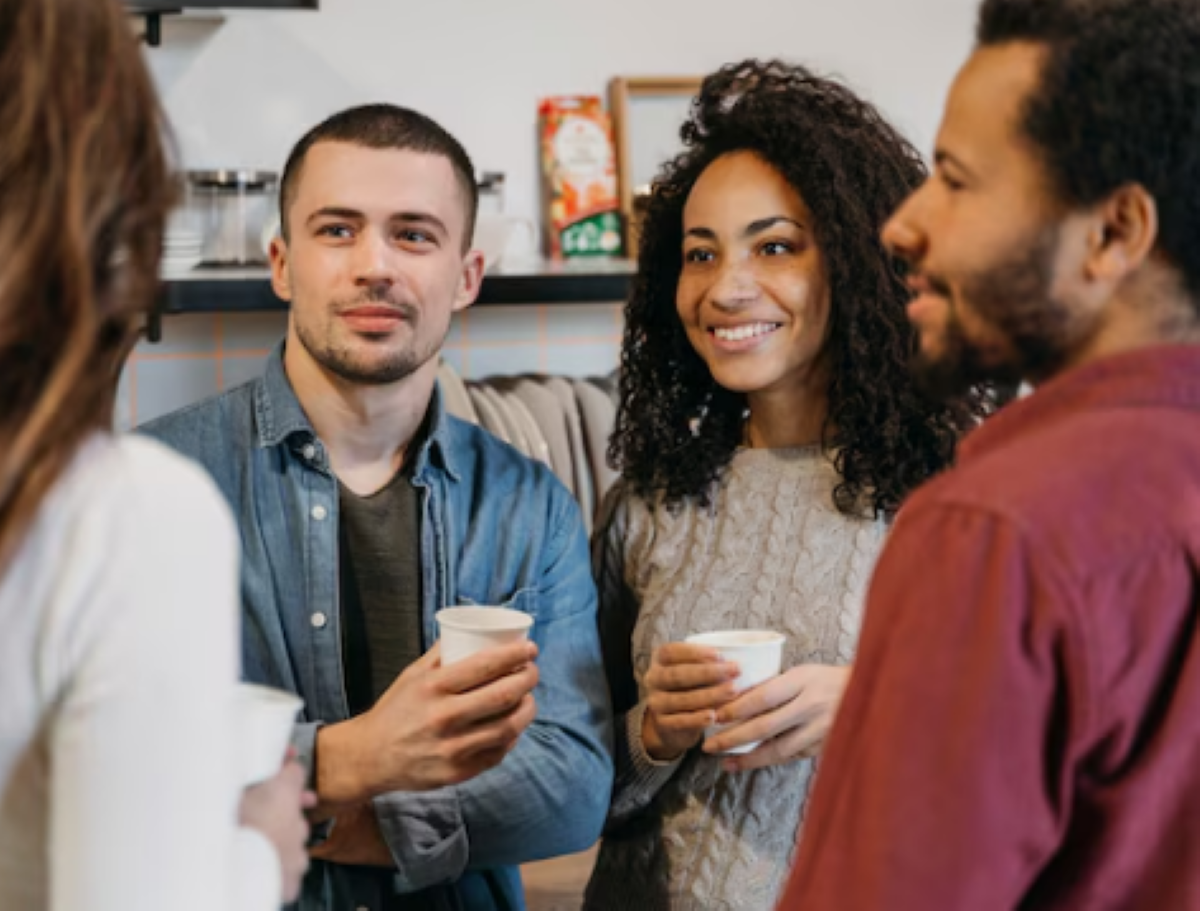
<point x="334" y="212"/>
<point x="755" y="227"/>
<point x="941" y="158"/>
<point x="762" y="224"/>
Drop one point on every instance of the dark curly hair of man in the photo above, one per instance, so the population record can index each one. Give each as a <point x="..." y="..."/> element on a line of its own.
<point x="677" y="429"/>
<point x="1118" y="103"/>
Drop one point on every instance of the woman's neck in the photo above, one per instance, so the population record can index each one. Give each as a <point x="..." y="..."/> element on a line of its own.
<point x="786" y="419"/>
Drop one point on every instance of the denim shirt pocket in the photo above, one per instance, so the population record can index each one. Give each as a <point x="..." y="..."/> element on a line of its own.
<point x="525" y="600"/>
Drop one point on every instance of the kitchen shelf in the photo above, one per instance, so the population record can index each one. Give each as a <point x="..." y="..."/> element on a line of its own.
<point x="152" y="11"/>
<point x="219" y="290"/>
<point x="141" y="7"/>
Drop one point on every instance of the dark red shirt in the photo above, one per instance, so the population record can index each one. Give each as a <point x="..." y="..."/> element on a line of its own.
<point x="1022" y="729"/>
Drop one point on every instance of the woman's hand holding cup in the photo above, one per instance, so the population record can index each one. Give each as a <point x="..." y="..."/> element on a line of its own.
<point x="686" y="685"/>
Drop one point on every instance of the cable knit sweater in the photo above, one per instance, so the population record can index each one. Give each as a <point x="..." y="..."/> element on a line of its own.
<point x="770" y="552"/>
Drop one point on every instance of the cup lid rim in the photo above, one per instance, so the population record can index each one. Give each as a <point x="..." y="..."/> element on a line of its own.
<point x="274" y="693"/>
<point x="763" y="637"/>
<point x="453" y="617"/>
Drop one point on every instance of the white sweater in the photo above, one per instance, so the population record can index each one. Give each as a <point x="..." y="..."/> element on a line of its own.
<point x="118" y="788"/>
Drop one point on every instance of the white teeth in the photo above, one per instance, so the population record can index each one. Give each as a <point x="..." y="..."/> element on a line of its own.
<point x="741" y="333"/>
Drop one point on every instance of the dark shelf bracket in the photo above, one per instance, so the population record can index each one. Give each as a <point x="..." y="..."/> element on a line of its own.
<point x="153" y="33"/>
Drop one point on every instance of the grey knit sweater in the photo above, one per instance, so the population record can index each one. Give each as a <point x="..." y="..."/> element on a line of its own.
<point x="771" y="552"/>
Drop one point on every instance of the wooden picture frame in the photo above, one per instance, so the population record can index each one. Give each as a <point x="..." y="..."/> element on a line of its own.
<point x="667" y="99"/>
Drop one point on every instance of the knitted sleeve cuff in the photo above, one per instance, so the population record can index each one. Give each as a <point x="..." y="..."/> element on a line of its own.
<point x="644" y="774"/>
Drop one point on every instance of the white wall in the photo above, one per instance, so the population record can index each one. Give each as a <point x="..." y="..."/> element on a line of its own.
<point x="240" y="92"/>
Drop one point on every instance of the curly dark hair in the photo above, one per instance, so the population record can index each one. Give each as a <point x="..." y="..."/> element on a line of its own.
<point x="1117" y="104"/>
<point x="677" y="429"/>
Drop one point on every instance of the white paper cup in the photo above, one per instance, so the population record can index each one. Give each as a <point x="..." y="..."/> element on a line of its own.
<point x="467" y="630"/>
<point x="265" y="720"/>
<point x="759" y="655"/>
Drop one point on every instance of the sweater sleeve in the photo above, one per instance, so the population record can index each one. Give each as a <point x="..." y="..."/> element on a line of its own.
<point x="144" y="636"/>
<point x="939" y="786"/>
<point x="637" y="777"/>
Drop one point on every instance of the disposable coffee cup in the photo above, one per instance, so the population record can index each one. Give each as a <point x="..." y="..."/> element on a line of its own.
<point x="467" y="630"/>
<point x="265" y="720"/>
<point x="759" y="656"/>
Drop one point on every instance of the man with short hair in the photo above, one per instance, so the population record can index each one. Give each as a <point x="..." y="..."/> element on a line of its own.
<point x="365" y="508"/>
<point x="1022" y="729"/>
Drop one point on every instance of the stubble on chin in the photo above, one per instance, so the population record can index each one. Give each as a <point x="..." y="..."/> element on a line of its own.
<point x="1032" y="332"/>
<point x="354" y="361"/>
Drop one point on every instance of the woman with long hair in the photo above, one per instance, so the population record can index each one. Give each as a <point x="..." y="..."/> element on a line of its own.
<point x="767" y="433"/>
<point x="118" y="560"/>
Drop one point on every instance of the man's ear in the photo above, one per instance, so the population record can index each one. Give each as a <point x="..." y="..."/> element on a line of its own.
<point x="1124" y="234"/>
<point x="281" y="281"/>
<point x="471" y="280"/>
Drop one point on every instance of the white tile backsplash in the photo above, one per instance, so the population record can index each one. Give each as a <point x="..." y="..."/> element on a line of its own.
<point x="201" y="354"/>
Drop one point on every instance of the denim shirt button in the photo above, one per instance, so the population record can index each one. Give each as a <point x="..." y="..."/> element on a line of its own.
<point x="319" y="513"/>
<point x="309" y="451"/>
<point x="318" y="620"/>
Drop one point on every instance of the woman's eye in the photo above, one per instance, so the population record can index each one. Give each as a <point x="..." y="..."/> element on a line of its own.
<point x="776" y="248"/>
<point x="698" y="255"/>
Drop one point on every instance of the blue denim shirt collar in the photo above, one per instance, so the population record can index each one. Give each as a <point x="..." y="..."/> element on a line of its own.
<point x="280" y="418"/>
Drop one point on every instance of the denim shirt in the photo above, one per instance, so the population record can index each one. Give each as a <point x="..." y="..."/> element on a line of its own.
<point x="497" y="528"/>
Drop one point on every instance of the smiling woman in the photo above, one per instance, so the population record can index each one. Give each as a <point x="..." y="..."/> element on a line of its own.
<point x="753" y="296"/>
<point x="768" y="430"/>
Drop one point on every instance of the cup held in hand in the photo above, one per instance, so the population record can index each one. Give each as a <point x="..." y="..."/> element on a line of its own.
<point x="467" y="630"/>
<point x="757" y="653"/>
<point x="265" y="719"/>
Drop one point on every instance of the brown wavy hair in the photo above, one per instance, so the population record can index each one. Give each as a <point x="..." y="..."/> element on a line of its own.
<point x="85" y="187"/>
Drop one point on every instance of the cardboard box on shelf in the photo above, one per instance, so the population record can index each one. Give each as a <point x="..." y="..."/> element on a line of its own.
<point x="580" y="178"/>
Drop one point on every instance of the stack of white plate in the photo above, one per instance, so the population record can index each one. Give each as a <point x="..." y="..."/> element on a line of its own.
<point x="181" y="252"/>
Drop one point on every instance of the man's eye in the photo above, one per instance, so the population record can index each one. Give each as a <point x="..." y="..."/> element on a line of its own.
<point x="413" y="236"/>
<point x="338" y="231"/>
<point x="950" y="183"/>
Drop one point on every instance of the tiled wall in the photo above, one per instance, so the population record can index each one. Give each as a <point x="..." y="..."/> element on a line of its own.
<point x="201" y="354"/>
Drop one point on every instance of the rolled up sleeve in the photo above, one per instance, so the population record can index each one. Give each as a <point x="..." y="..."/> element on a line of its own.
<point x="550" y="795"/>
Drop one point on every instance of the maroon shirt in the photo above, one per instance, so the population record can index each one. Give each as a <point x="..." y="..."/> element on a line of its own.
<point x="1022" y="729"/>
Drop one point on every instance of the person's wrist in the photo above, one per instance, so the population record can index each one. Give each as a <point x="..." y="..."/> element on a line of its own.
<point x="655" y="745"/>
<point x="346" y="772"/>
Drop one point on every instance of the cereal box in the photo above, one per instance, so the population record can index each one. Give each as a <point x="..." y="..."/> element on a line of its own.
<point x="580" y="177"/>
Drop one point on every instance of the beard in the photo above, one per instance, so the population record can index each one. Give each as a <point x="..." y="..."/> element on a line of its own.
<point x="360" y="363"/>
<point x="1015" y="297"/>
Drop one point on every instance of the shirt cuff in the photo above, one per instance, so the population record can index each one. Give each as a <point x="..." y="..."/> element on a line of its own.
<point x="304" y="739"/>
<point x="426" y="835"/>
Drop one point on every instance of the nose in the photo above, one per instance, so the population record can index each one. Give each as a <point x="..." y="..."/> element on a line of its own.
<point x="374" y="263"/>
<point x="734" y="286"/>
<point x="901" y="234"/>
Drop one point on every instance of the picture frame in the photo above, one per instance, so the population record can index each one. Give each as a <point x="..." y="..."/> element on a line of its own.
<point x="646" y="113"/>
